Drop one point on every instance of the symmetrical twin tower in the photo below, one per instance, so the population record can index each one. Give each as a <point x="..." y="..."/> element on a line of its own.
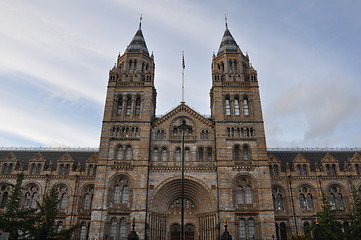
<point x="139" y="163"/>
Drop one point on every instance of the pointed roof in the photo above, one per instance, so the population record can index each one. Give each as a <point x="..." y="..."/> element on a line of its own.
<point x="138" y="45"/>
<point x="228" y="44"/>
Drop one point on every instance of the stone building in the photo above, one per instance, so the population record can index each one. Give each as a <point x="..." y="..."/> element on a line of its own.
<point x="229" y="172"/>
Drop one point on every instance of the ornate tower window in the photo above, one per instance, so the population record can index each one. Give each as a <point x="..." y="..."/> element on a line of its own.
<point x="137" y="106"/>
<point x="244" y="193"/>
<point x="236" y="107"/>
<point x="228" y="107"/>
<point x="236" y="152"/>
<point x="246" y="107"/>
<point x="129" y="106"/>
<point x="119" y="105"/>
<point x="246" y="152"/>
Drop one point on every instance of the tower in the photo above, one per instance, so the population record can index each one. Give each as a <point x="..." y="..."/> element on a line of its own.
<point x="242" y="163"/>
<point x="124" y="143"/>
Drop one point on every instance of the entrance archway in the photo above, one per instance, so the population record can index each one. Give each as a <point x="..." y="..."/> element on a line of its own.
<point x="175" y="232"/>
<point x="165" y="211"/>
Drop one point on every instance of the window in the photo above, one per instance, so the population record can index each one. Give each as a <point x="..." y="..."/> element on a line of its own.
<point x="164" y="154"/>
<point x="246" y="155"/>
<point x="67" y="169"/>
<point x="277" y="199"/>
<point x="209" y="154"/>
<point x="246" y="229"/>
<point x="245" y="107"/>
<point x="177" y="154"/>
<point x="200" y="154"/>
<point x="119" y="105"/>
<point x="129" y="153"/>
<point x="306" y="199"/>
<point x="187" y="154"/>
<point x="129" y="106"/>
<point x="113" y="228"/>
<point x="122" y="229"/>
<point x="4" y="195"/>
<point x="31" y="196"/>
<point x="304" y="169"/>
<point x="120" y="191"/>
<point x="125" y="195"/>
<point x="83" y="231"/>
<point x="328" y="172"/>
<point x="86" y="201"/>
<point x="63" y="197"/>
<point x="155" y="154"/>
<point x="236" y="107"/>
<point x="299" y="170"/>
<point x="236" y="155"/>
<point x="244" y="194"/>
<point x="336" y="197"/>
<point x="228" y="107"/>
<point x="242" y="229"/>
<point x="59" y="226"/>
<point x="61" y="169"/>
<point x="137" y="107"/>
<point x="119" y="153"/>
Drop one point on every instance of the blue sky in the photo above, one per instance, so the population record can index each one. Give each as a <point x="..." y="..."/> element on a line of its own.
<point x="55" y="57"/>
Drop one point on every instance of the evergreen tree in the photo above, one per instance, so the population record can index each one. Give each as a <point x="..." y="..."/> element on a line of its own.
<point x="17" y="221"/>
<point x="327" y="227"/>
<point x="354" y="231"/>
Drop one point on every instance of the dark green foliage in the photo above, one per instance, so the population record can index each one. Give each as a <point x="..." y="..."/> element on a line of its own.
<point x="354" y="231"/>
<point x="15" y="220"/>
<point x="327" y="227"/>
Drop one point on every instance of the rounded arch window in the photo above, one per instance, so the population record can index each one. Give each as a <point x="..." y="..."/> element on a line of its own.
<point x="278" y="198"/>
<point x="244" y="191"/>
<point x="119" y="191"/>
<point x="30" y="196"/>
<point x="306" y="198"/>
<point x="335" y="196"/>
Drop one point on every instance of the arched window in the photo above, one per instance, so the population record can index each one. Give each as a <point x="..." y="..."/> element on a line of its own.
<point x="209" y="154"/>
<point x="249" y="196"/>
<point x="116" y="194"/>
<point x="86" y="201"/>
<point x="228" y="107"/>
<point x="333" y="169"/>
<point x="119" y="105"/>
<point x="299" y="173"/>
<point x="242" y="229"/>
<point x="187" y="156"/>
<point x="251" y="229"/>
<point x="27" y="200"/>
<point x="177" y="154"/>
<point x="236" y="150"/>
<point x="128" y="153"/>
<point x="304" y="169"/>
<point x="246" y="107"/>
<point x="200" y="154"/>
<point x="244" y="192"/>
<point x="67" y="169"/>
<point x="306" y="229"/>
<point x="113" y="228"/>
<point x="120" y="153"/>
<point x="328" y="171"/>
<point x="164" y="154"/>
<point x="240" y="195"/>
<point x="336" y="197"/>
<point x="246" y="155"/>
<point x="309" y="201"/>
<point x="63" y="197"/>
<point x="125" y="195"/>
<point x="175" y="131"/>
<point x="122" y="229"/>
<point x="155" y="154"/>
<point x="275" y="170"/>
<point x="283" y="231"/>
<point x="59" y="226"/>
<point x="137" y="107"/>
<point x="129" y="106"/>
<point x="236" y="107"/>
<point x="63" y="201"/>
<point x="91" y="171"/>
<point x="302" y="201"/>
<point x="83" y="231"/>
<point x="277" y="198"/>
<point x="4" y="194"/>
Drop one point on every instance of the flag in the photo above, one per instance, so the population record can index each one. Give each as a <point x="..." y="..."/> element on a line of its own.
<point x="183" y="62"/>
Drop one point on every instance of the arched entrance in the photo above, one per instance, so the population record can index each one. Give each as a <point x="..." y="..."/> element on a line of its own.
<point x="200" y="215"/>
<point x="175" y="230"/>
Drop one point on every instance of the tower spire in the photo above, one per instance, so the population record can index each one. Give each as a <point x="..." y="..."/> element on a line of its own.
<point x="225" y="19"/>
<point x="140" y="21"/>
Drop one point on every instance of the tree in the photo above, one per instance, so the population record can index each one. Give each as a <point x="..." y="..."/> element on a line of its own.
<point x="327" y="227"/>
<point x="354" y="231"/>
<point x="45" y="217"/>
<point x="17" y="221"/>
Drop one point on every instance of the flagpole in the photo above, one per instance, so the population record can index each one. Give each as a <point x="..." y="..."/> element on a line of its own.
<point x="183" y="67"/>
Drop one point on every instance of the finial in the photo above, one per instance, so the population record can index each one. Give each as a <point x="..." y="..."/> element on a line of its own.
<point x="140" y="21"/>
<point x="225" y="19"/>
